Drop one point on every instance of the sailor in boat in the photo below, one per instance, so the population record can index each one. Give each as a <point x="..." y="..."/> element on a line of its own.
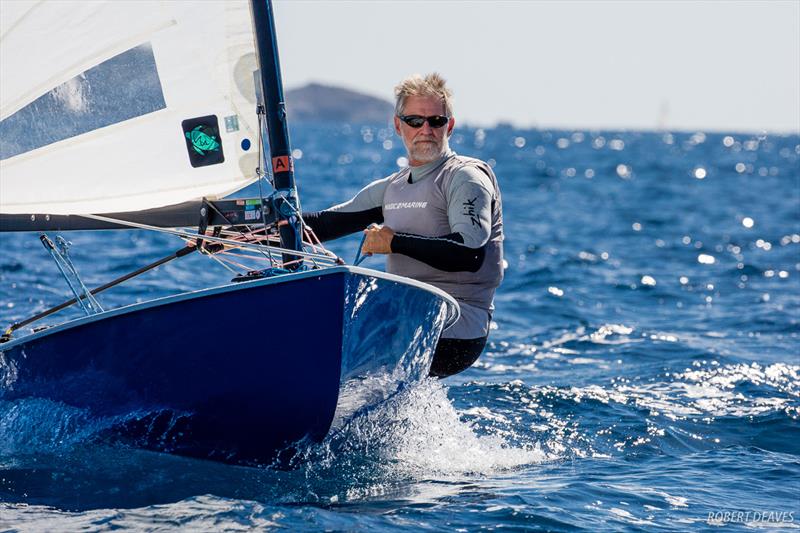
<point x="439" y="220"/>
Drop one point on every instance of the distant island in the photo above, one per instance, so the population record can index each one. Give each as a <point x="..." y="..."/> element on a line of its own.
<point x="323" y="103"/>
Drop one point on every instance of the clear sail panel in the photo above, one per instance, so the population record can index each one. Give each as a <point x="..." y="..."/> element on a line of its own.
<point x="103" y="95"/>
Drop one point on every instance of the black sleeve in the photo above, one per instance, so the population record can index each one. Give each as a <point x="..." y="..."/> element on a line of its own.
<point x="445" y="253"/>
<point x="328" y="225"/>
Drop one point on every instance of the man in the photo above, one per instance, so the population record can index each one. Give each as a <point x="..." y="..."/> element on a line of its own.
<point x="442" y="219"/>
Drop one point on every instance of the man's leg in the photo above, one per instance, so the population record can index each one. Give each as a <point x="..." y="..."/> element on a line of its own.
<point x="455" y="355"/>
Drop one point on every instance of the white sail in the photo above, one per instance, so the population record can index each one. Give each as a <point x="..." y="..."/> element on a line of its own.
<point x="95" y="98"/>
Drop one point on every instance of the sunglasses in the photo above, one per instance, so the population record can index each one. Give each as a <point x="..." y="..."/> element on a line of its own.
<point x="416" y="121"/>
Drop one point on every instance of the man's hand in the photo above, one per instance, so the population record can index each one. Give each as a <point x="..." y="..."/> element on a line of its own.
<point x="378" y="240"/>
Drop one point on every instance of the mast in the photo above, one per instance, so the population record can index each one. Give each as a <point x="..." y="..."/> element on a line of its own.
<point x="279" y="152"/>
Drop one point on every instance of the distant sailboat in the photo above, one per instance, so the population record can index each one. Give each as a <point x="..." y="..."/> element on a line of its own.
<point x="140" y="114"/>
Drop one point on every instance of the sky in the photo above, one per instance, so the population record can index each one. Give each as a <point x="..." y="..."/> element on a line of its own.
<point x="679" y="65"/>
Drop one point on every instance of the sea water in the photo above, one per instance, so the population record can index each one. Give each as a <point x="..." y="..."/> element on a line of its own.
<point x="641" y="374"/>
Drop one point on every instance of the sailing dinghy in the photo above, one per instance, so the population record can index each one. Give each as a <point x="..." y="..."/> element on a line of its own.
<point x="148" y="114"/>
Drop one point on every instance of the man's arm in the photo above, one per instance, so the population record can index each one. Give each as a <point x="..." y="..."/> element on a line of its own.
<point x="446" y="253"/>
<point x="363" y="209"/>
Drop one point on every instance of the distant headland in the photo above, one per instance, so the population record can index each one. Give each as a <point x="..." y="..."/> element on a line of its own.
<point x="324" y="103"/>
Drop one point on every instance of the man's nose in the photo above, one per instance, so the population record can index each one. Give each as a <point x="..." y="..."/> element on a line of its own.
<point x="426" y="128"/>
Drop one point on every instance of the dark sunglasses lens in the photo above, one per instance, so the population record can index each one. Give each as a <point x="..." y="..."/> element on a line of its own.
<point x="415" y="121"/>
<point x="437" y="122"/>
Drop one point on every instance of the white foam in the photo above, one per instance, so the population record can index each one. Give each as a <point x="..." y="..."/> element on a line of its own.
<point x="419" y="433"/>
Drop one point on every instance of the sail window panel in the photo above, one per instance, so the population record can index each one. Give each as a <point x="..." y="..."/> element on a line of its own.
<point x="44" y="43"/>
<point x="121" y="88"/>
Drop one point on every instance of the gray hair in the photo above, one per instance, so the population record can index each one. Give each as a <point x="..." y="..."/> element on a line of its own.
<point x="431" y="85"/>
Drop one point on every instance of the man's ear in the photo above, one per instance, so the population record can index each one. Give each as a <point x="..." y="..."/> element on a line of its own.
<point x="450" y="125"/>
<point x="397" y="126"/>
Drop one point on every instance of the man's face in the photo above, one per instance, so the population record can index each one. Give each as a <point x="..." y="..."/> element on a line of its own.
<point x="424" y="144"/>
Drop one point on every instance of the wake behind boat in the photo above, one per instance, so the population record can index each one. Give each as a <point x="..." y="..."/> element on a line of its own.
<point x="314" y="340"/>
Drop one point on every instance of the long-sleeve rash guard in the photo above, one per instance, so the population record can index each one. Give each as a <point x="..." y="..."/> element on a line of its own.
<point x="469" y="212"/>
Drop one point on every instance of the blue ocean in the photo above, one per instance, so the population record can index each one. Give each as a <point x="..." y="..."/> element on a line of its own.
<point x="642" y="372"/>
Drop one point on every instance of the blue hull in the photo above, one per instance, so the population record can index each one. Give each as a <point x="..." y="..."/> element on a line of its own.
<point x="240" y="372"/>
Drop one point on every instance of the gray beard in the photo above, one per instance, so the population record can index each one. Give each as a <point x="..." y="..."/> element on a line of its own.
<point x="427" y="152"/>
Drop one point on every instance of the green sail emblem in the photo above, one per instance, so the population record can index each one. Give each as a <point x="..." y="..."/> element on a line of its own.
<point x="201" y="141"/>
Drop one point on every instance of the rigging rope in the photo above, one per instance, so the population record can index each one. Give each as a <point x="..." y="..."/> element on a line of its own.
<point x="323" y="258"/>
<point x="360" y="258"/>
